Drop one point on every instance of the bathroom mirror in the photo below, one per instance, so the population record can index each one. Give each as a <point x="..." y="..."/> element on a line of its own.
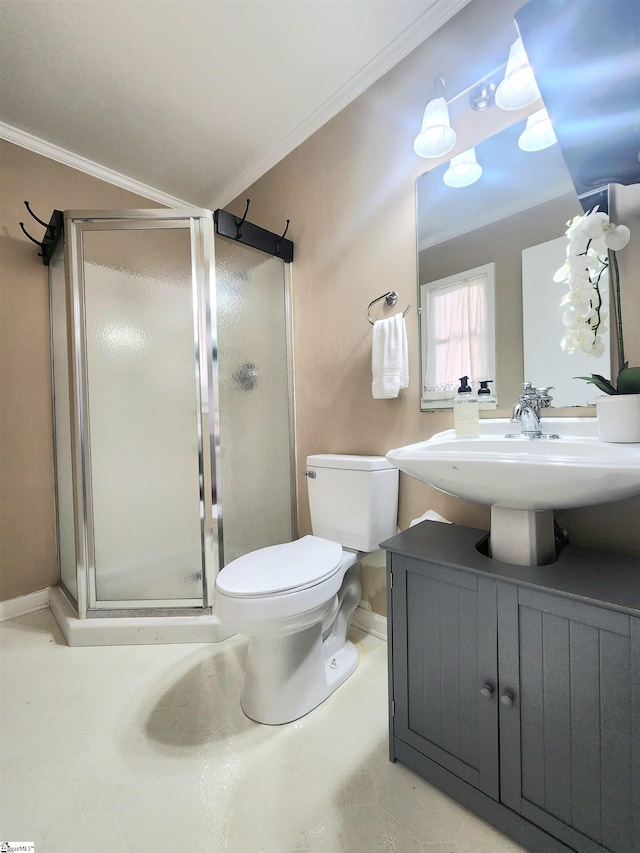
<point x="522" y="201"/>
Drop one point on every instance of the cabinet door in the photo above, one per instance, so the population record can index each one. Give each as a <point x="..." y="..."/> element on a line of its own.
<point x="445" y="668"/>
<point x="567" y="738"/>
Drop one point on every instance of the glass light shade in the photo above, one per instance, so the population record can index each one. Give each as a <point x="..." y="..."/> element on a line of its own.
<point x="437" y="137"/>
<point x="538" y="133"/>
<point x="463" y="170"/>
<point x="519" y="88"/>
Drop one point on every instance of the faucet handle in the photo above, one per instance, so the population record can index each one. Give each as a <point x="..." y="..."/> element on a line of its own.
<point x="529" y="395"/>
<point x="544" y="396"/>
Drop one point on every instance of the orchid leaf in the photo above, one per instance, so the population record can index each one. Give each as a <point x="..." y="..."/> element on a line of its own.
<point x="629" y="380"/>
<point x="600" y="382"/>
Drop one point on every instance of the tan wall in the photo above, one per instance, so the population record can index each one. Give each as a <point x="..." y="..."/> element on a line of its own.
<point x="349" y="191"/>
<point x="27" y="521"/>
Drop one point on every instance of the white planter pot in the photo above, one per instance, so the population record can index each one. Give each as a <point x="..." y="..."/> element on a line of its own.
<point x="619" y="418"/>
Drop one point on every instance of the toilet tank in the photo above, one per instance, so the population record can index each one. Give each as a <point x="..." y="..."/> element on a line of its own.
<point x="353" y="499"/>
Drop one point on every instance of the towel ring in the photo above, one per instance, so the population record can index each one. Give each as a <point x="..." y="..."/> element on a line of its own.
<point x="391" y="298"/>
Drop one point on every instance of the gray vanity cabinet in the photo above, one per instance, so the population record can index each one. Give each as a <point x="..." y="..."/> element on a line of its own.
<point x="516" y="689"/>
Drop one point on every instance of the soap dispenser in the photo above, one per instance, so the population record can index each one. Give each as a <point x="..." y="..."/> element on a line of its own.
<point x="466" y="411"/>
<point x="486" y="399"/>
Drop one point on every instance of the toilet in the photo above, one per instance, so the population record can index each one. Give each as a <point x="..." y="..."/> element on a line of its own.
<point x="296" y="600"/>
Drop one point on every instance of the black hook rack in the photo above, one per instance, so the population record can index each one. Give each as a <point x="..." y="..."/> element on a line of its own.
<point x="55" y="229"/>
<point x="239" y="229"/>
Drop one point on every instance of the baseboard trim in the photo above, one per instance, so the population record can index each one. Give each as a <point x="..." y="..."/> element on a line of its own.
<point x="364" y="619"/>
<point x="23" y="604"/>
<point x="372" y="623"/>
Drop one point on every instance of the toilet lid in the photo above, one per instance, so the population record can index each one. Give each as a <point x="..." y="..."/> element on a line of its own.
<point x="281" y="568"/>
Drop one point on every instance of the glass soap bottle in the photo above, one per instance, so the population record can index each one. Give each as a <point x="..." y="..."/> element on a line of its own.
<point x="486" y="399"/>
<point x="466" y="411"/>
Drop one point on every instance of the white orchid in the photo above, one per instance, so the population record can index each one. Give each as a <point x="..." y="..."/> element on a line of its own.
<point x="597" y="227"/>
<point x="591" y="239"/>
<point x="586" y="273"/>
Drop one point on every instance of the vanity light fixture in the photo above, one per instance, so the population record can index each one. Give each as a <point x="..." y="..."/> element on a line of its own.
<point x="538" y="133"/>
<point x="463" y="170"/>
<point x="437" y="137"/>
<point x="519" y="88"/>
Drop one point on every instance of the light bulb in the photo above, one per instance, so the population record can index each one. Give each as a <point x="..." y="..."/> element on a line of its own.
<point x="538" y="133"/>
<point x="519" y="88"/>
<point x="436" y="137"/>
<point x="463" y="170"/>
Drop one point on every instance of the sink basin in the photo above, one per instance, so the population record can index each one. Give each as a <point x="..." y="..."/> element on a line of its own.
<point x="530" y="476"/>
<point x="534" y="474"/>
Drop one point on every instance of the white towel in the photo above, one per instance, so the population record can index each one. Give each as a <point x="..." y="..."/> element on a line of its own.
<point x="389" y="358"/>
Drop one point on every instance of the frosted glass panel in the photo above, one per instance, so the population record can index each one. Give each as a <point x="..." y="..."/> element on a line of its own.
<point x="64" y="473"/>
<point x="143" y="414"/>
<point x="254" y="401"/>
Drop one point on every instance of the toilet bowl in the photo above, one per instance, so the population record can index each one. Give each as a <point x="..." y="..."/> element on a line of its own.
<point x="296" y="599"/>
<point x="289" y="613"/>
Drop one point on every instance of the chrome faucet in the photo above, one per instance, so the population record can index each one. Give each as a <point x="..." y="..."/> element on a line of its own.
<point x="526" y="412"/>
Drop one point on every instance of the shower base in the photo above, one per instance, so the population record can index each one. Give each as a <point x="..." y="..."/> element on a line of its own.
<point x="133" y="630"/>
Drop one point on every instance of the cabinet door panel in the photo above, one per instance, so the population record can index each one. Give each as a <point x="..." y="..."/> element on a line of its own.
<point x="445" y="650"/>
<point x="570" y="729"/>
<point x="616" y="741"/>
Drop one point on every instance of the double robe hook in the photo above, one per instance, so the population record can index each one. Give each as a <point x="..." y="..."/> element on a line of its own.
<point x="55" y="229"/>
<point x="26" y="233"/>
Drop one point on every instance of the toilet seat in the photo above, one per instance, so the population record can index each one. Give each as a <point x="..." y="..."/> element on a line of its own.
<point x="281" y="569"/>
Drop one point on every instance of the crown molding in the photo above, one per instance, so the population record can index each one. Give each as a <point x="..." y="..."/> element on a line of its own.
<point x="490" y="215"/>
<point x="434" y="17"/>
<point x="82" y="164"/>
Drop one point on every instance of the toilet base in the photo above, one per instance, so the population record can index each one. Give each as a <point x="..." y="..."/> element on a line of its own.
<point x="288" y="676"/>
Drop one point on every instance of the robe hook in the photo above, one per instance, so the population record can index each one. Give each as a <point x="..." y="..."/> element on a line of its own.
<point x="26" y="233"/>
<point x="279" y="241"/>
<point x="37" y="218"/>
<point x="241" y="223"/>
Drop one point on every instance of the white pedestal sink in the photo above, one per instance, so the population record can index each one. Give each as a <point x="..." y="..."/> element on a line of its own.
<point x="524" y="479"/>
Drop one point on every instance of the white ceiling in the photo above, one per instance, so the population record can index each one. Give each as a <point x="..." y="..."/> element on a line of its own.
<point x="193" y="98"/>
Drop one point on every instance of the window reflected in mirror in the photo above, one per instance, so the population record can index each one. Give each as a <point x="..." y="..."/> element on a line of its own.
<point x="457" y="330"/>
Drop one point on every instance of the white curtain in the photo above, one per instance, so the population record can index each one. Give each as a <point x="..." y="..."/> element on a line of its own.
<point x="457" y="336"/>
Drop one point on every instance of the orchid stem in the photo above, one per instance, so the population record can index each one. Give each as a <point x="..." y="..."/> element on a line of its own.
<point x="616" y="271"/>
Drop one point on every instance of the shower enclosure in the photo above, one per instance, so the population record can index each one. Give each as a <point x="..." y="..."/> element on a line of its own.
<point x="172" y="409"/>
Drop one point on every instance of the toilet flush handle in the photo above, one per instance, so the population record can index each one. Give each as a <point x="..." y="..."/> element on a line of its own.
<point x="310" y="474"/>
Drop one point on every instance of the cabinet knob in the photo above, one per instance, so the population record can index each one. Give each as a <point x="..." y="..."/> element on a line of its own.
<point x="507" y="699"/>
<point x="487" y="691"/>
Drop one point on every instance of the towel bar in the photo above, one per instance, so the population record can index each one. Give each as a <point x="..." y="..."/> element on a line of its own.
<point x="391" y="298"/>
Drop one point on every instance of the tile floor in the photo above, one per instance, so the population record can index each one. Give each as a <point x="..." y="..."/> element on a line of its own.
<point x="144" y="749"/>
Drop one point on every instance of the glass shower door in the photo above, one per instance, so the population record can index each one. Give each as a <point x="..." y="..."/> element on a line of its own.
<point x="141" y="353"/>
<point x="256" y="418"/>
